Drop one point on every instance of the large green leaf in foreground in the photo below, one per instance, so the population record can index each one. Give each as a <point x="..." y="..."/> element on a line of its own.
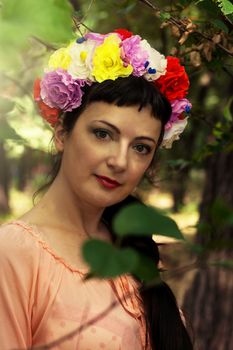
<point x="105" y="260"/>
<point x="138" y="219"/>
<point x="108" y="261"/>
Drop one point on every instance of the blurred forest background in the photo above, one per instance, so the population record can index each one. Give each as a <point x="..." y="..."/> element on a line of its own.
<point x="194" y="177"/>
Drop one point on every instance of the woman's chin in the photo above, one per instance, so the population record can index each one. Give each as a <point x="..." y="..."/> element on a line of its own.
<point x="101" y="200"/>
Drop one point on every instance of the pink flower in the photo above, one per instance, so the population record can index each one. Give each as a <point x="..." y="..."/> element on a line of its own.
<point x="178" y="108"/>
<point x="48" y="113"/>
<point x="99" y="38"/>
<point x="60" y="90"/>
<point x="132" y="53"/>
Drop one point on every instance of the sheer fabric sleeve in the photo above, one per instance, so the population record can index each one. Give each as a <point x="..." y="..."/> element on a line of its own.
<point x="17" y="284"/>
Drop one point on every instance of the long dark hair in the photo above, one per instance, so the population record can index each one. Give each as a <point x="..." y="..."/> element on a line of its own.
<point x="164" y="324"/>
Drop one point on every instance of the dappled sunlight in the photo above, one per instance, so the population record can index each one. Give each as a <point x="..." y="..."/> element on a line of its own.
<point x="20" y="202"/>
<point x="186" y="218"/>
<point x="159" y="200"/>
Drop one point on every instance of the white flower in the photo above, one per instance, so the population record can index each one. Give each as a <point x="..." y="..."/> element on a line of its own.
<point x="157" y="62"/>
<point x="81" y="60"/>
<point x="174" y="132"/>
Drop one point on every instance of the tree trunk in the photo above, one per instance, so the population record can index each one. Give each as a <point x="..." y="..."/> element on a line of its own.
<point x="184" y="150"/>
<point x="179" y="189"/>
<point x="209" y="301"/>
<point x="4" y="181"/>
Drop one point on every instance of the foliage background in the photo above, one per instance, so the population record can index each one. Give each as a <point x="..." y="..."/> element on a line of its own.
<point x="194" y="178"/>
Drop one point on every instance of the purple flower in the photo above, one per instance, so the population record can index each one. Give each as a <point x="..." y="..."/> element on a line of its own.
<point x="60" y="90"/>
<point x="133" y="53"/>
<point x="99" y="38"/>
<point x="178" y="107"/>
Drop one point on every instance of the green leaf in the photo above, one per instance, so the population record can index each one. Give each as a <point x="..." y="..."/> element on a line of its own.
<point x="227" y="110"/>
<point x="226" y="6"/>
<point x="146" y="269"/>
<point x="209" y="7"/>
<point x="165" y="16"/>
<point x="138" y="219"/>
<point x="220" y="25"/>
<point x="221" y="213"/>
<point x="107" y="261"/>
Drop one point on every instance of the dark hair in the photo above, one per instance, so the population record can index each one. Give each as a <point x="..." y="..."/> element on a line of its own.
<point x="130" y="91"/>
<point x="164" y="324"/>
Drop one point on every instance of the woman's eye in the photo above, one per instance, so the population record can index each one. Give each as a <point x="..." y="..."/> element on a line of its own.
<point x="101" y="134"/>
<point x="143" y="149"/>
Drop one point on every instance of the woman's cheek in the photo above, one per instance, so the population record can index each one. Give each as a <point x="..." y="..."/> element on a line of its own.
<point x="138" y="169"/>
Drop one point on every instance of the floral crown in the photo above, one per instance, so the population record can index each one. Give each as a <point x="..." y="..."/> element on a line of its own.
<point x="96" y="58"/>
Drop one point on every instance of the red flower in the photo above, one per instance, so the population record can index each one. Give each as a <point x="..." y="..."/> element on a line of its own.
<point x="36" y="90"/>
<point x="175" y="83"/>
<point x="124" y="33"/>
<point x="48" y="113"/>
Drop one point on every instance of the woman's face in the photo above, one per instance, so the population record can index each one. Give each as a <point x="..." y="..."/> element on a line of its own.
<point x="108" y="151"/>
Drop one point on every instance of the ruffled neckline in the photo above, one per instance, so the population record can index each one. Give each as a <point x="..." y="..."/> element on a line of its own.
<point x="34" y="231"/>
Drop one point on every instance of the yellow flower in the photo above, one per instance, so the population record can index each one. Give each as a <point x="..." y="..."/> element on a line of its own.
<point x="107" y="62"/>
<point x="60" y="58"/>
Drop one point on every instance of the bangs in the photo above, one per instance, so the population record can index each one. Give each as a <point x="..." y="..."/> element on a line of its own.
<point x="132" y="91"/>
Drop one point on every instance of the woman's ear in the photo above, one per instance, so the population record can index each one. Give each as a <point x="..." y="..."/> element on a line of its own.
<point x="59" y="137"/>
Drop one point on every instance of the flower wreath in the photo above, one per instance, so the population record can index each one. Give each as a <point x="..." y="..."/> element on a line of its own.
<point x="96" y="58"/>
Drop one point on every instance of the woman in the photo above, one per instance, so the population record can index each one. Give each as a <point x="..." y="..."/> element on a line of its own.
<point x="112" y="100"/>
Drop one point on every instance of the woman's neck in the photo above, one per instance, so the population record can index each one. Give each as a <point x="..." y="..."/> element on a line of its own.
<point x="60" y="209"/>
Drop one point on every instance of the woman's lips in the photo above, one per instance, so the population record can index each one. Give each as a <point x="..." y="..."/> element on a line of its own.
<point x="107" y="182"/>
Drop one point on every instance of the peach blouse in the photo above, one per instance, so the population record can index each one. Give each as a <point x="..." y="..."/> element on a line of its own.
<point x="43" y="299"/>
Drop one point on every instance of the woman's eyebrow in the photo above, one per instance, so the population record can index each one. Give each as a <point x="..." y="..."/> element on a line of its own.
<point x="118" y="131"/>
<point x="145" y="138"/>
<point x="109" y="124"/>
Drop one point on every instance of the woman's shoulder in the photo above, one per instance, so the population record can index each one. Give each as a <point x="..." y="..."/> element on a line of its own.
<point x="16" y="233"/>
<point x="26" y="241"/>
<point x="18" y="243"/>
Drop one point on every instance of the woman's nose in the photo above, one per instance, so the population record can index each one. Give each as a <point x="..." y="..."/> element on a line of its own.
<point x="118" y="158"/>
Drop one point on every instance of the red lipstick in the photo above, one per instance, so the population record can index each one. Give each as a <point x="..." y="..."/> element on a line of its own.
<point x="107" y="182"/>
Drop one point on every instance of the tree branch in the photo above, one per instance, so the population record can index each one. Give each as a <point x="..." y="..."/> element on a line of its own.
<point x="182" y="26"/>
<point x="47" y="45"/>
<point x="148" y="3"/>
<point x="75" y="331"/>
